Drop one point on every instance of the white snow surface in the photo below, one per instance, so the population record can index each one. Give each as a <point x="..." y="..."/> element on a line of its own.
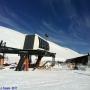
<point x="63" y="53"/>
<point x="11" y="37"/>
<point x="45" y="79"/>
<point x="16" y="39"/>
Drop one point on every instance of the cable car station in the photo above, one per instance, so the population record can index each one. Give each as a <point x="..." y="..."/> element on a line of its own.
<point x="27" y="51"/>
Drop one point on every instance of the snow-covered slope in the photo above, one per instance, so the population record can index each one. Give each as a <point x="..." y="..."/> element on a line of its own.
<point x="62" y="53"/>
<point x="45" y="80"/>
<point x="11" y="37"/>
<point x="16" y="39"/>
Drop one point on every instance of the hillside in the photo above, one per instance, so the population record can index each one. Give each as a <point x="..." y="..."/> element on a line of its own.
<point x="11" y="37"/>
<point x="16" y="39"/>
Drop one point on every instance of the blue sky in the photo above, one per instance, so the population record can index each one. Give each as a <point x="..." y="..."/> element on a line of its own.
<point x="67" y="22"/>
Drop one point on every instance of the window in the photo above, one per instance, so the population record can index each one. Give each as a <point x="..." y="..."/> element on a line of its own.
<point x="43" y="44"/>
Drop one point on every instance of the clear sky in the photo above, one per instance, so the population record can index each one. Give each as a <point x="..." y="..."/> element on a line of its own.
<point x="67" y="22"/>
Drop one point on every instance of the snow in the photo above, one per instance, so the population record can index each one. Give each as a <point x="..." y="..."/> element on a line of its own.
<point x="46" y="79"/>
<point x="63" y="53"/>
<point x="11" y="37"/>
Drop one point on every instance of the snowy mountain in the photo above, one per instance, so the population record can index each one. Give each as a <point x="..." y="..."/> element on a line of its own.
<point x="16" y="39"/>
<point x="12" y="37"/>
<point x="63" y="53"/>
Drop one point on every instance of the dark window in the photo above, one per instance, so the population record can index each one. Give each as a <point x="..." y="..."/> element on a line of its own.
<point x="29" y="42"/>
<point x="43" y="44"/>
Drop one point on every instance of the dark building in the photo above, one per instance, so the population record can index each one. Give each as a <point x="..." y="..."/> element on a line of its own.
<point x="74" y="62"/>
<point x="35" y="42"/>
<point x="84" y="60"/>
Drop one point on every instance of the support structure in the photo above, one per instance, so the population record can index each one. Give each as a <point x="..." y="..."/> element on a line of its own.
<point x="38" y="61"/>
<point x="53" y="60"/>
<point x="24" y="61"/>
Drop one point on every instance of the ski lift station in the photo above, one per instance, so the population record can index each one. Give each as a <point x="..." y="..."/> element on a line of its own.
<point x="32" y="49"/>
<point x="33" y="45"/>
